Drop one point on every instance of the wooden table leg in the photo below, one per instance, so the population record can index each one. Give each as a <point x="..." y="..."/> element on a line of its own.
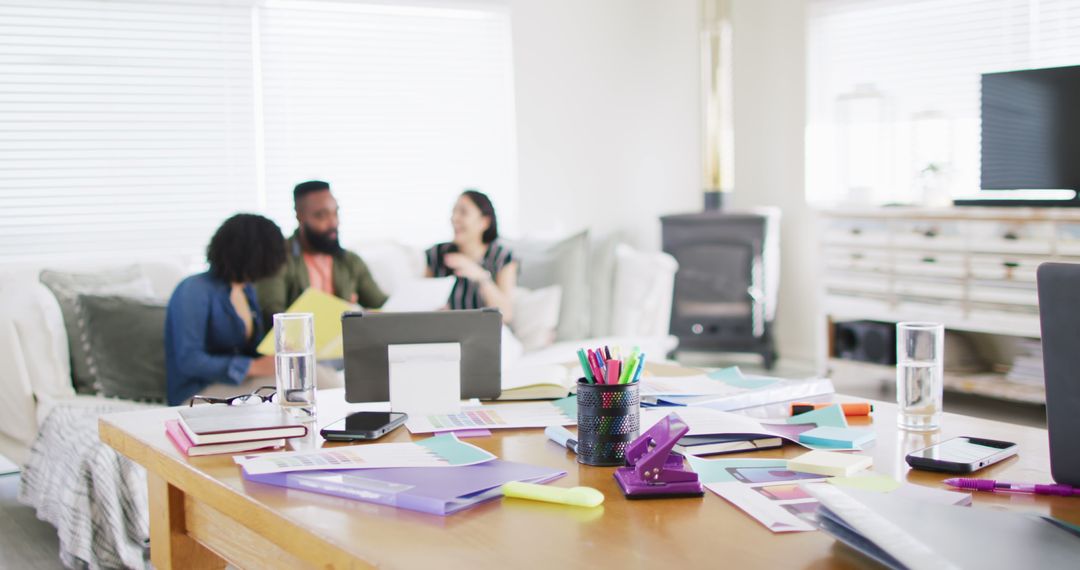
<point x="170" y="546"/>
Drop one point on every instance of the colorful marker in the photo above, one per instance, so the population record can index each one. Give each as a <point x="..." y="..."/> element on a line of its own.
<point x="850" y="408"/>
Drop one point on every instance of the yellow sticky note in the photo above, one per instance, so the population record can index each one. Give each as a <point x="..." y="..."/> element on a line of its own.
<point x="868" y="482"/>
<point x="327" y="310"/>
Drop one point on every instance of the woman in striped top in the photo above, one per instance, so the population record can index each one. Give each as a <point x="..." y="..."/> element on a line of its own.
<point x="486" y="271"/>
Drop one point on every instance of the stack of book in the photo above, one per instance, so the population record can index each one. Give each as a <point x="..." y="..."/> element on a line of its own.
<point x="214" y="429"/>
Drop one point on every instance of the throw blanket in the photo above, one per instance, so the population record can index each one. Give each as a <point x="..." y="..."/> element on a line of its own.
<point x="95" y="497"/>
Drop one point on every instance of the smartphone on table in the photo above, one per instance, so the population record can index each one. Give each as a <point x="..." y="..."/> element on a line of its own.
<point x="363" y="426"/>
<point x="961" y="454"/>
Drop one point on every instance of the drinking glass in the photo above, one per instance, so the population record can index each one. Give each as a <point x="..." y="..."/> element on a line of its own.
<point x="294" y="347"/>
<point x="919" y="375"/>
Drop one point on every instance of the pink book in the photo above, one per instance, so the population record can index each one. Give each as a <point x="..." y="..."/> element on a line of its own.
<point x="181" y="441"/>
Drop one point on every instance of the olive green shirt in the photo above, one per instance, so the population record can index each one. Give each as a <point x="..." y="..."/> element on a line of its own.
<point x="349" y="274"/>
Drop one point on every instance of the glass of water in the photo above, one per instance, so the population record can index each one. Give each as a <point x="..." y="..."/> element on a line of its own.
<point x="919" y="375"/>
<point x="294" y="347"/>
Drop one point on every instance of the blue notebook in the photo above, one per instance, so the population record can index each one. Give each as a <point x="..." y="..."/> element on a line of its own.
<point x="435" y="490"/>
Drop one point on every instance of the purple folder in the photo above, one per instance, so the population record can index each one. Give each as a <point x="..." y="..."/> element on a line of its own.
<point x="435" y="490"/>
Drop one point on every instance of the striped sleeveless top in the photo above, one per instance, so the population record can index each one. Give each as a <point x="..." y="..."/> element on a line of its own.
<point x="466" y="293"/>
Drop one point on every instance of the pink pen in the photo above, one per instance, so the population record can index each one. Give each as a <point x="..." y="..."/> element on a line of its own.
<point x="1001" y="486"/>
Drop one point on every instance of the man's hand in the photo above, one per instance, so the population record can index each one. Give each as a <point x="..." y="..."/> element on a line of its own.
<point x="261" y="367"/>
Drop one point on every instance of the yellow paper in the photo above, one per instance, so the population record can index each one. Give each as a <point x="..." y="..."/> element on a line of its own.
<point x="327" y="309"/>
<point x="868" y="482"/>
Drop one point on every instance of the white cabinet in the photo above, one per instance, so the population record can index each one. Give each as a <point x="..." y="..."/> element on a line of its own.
<point x="971" y="268"/>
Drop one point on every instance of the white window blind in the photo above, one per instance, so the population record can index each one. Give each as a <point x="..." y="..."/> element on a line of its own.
<point x="399" y="108"/>
<point x="893" y="89"/>
<point x="134" y="127"/>
<point x="125" y="126"/>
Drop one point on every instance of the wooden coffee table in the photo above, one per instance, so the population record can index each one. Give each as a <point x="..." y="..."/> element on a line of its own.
<point x="203" y="514"/>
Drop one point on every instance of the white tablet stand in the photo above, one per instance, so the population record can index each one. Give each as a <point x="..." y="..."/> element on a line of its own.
<point x="425" y="378"/>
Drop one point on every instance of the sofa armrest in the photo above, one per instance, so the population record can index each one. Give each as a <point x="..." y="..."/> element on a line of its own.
<point x="33" y="343"/>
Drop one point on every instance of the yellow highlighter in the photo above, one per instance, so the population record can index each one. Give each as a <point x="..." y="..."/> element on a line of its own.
<point x="576" y="496"/>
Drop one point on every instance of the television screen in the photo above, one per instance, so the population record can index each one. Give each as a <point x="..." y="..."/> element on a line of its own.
<point x="1031" y="129"/>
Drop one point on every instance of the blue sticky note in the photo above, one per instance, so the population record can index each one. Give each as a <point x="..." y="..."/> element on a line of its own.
<point x="839" y="438"/>
<point x="832" y="416"/>
<point x="567" y="405"/>
<point x="734" y="377"/>
<point x="716" y="470"/>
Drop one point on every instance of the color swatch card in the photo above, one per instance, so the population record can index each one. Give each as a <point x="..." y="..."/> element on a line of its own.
<point x="439" y="451"/>
<point x="762" y="488"/>
<point x="504" y="416"/>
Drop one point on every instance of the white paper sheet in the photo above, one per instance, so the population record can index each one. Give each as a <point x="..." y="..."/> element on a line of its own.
<point x="420" y="295"/>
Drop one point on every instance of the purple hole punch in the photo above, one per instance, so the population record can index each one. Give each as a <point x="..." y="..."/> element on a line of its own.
<point x="653" y="469"/>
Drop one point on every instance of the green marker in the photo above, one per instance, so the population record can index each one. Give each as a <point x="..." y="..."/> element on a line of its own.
<point x="585" y="365"/>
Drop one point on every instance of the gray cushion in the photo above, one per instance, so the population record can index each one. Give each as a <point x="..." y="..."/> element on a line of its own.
<point x="563" y="263"/>
<point x="67" y="287"/>
<point x="127" y="344"/>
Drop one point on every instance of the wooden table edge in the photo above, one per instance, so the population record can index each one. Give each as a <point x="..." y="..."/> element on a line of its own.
<point x="205" y="490"/>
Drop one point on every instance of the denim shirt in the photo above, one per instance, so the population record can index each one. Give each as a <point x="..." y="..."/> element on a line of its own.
<point x="204" y="337"/>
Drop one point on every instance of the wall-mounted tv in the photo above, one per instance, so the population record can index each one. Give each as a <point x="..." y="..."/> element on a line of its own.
<point x="1031" y="129"/>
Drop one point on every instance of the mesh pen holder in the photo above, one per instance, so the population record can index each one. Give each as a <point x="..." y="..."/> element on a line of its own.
<point x="608" y="421"/>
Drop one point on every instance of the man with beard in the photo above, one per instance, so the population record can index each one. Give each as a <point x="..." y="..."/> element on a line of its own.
<point x="316" y="259"/>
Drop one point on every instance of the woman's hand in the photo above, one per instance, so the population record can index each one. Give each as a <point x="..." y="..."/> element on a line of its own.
<point x="466" y="268"/>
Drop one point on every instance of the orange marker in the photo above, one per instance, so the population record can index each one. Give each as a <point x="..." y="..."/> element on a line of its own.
<point x="850" y="409"/>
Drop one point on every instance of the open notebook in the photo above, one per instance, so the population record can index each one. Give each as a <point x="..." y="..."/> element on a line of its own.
<point x="537" y="382"/>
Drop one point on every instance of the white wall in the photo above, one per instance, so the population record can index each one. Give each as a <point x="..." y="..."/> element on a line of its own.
<point x="608" y="114"/>
<point x="770" y="103"/>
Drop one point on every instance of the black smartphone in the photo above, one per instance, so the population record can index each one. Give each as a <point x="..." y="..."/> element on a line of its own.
<point x="961" y="454"/>
<point x="363" y="425"/>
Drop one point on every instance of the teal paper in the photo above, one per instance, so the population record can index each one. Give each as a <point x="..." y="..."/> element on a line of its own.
<point x="837" y="438"/>
<point x="832" y="416"/>
<point x="716" y="470"/>
<point x="453" y="451"/>
<point x="734" y="377"/>
<point x="568" y="406"/>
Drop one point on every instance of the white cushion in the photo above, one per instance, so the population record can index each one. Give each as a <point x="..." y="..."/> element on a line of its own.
<point x="644" y="285"/>
<point x="391" y="263"/>
<point x="536" y="316"/>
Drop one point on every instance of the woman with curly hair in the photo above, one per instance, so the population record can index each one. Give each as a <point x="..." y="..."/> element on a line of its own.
<point x="213" y="322"/>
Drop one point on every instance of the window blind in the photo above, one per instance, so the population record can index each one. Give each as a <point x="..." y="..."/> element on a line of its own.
<point x="125" y="126"/>
<point x="134" y="127"/>
<point x="893" y="89"/>
<point x="399" y="108"/>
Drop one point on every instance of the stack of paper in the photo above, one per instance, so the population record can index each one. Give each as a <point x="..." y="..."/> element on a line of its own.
<point x="728" y="389"/>
<point x="900" y="533"/>
<point x="707" y="421"/>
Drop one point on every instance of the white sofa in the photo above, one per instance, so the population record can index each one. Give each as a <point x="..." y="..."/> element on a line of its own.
<point x="34" y="346"/>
